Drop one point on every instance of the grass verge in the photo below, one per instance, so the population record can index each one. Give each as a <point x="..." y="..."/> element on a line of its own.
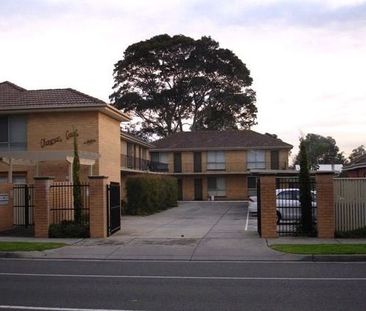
<point x="27" y="246"/>
<point x="321" y="249"/>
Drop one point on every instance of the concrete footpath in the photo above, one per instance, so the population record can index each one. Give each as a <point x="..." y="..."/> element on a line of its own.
<point x="213" y="231"/>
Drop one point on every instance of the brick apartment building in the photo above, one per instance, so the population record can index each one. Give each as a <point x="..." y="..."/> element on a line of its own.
<point x="37" y="128"/>
<point x="218" y="164"/>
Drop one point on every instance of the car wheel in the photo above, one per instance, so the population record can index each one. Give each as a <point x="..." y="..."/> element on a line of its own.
<point x="278" y="218"/>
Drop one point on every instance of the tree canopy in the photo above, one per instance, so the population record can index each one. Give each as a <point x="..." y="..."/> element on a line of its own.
<point x="321" y="150"/>
<point x="356" y="153"/>
<point x="172" y="82"/>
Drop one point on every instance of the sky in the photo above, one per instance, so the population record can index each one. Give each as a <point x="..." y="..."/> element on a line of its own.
<point x="307" y="58"/>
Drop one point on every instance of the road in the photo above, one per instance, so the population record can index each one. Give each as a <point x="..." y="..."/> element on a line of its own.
<point x="148" y="285"/>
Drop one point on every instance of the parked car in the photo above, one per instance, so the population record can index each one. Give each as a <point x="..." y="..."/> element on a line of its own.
<point x="287" y="204"/>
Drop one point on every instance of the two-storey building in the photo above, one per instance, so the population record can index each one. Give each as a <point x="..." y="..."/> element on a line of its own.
<point x="37" y="129"/>
<point x="218" y="164"/>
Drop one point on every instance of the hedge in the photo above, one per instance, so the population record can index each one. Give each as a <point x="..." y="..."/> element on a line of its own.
<point x="148" y="194"/>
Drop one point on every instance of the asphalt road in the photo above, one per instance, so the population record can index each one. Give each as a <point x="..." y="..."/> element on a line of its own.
<point x="149" y="285"/>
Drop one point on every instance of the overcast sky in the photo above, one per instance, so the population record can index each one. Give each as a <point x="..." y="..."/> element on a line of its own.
<point x="307" y="58"/>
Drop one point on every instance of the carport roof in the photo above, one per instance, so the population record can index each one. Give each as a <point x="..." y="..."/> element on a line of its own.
<point x="230" y="139"/>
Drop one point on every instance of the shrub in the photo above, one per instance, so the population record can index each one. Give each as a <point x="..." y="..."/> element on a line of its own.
<point x="68" y="229"/>
<point x="353" y="234"/>
<point x="147" y="194"/>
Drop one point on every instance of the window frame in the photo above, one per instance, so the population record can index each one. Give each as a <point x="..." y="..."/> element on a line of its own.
<point x="256" y="163"/>
<point x="217" y="161"/>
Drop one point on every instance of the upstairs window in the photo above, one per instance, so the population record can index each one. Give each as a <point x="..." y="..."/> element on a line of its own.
<point x="215" y="160"/>
<point x="13" y="133"/>
<point x="256" y="159"/>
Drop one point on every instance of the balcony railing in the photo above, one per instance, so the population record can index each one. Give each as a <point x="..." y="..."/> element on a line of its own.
<point x="139" y="164"/>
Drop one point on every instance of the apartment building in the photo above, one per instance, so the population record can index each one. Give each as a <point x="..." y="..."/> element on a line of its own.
<point x="37" y="129"/>
<point x="219" y="164"/>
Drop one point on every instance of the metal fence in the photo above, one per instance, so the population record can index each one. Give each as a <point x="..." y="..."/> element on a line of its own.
<point x="350" y="203"/>
<point x="23" y="204"/>
<point x="62" y="203"/>
<point x="288" y="208"/>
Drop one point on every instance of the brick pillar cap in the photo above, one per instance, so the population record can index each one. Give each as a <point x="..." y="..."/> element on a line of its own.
<point x="97" y="177"/>
<point x="43" y="177"/>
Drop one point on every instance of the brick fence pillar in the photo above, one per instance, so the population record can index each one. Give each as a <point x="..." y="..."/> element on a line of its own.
<point x="98" y="206"/>
<point x="325" y="205"/>
<point x="6" y="207"/>
<point x="42" y="206"/>
<point x="268" y="207"/>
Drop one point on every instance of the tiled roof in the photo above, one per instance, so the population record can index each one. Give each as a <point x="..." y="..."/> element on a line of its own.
<point x="135" y="138"/>
<point x="359" y="162"/>
<point x="234" y="139"/>
<point x="15" y="97"/>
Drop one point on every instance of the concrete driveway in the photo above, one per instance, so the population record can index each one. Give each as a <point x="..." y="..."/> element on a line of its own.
<point x="191" y="231"/>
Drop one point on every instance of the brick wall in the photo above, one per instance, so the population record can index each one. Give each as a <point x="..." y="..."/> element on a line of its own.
<point x="325" y="206"/>
<point x="236" y="187"/>
<point x="6" y="210"/>
<point x="109" y="148"/>
<point x="268" y="207"/>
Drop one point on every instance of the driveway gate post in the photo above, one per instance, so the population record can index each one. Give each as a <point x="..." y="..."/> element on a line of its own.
<point x="268" y="217"/>
<point x="98" y="206"/>
<point x="325" y="205"/>
<point x="42" y="206"/>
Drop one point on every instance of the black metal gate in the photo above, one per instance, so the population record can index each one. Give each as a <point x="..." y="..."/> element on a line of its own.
<point x="259" y="227"/>
<point x="23" y="205"/>
<point x="113" y="208"/>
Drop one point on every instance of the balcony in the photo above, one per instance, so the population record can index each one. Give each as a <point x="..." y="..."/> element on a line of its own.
<point x="235" y="167"/>
<point x="139" y="164"/>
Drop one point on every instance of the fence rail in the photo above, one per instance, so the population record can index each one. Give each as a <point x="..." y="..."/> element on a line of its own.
<point x="62" y="203"/>
<point x="23" y="204"/>
<point x="350" y="203"/>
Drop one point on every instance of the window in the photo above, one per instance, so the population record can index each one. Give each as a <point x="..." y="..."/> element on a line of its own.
<point x="161" y="157"/>
<point x="13" y="133"/>
<point x="215" y="160"/>
<point x="216" y="186"/>
<point x="256" y="159"/>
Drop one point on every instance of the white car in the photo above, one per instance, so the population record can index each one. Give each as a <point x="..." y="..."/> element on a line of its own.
<point x="287" y="204"/>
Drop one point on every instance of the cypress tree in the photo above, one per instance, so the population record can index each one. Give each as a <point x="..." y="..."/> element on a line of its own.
<point x="76" y="181"/>
<point x="305" y="191"/>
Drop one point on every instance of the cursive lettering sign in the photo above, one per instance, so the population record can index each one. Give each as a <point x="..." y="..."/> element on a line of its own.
<point x="49" y="142"/>
<point x="71" y="134"/>
<point x="89" y="141"/>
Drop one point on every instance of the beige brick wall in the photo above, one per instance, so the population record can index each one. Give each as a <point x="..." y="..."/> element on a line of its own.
<point x="187" y="162"/>
<point x="235" y="161"/>
<point x="109" y="147"/>
<point x="284" y="159"/>
<point x="236" y="187"/>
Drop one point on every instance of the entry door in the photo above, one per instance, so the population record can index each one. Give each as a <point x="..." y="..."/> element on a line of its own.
<point x="180" y="189"/>
<point x="197" y="162"/>
<point x="198" y="189"/>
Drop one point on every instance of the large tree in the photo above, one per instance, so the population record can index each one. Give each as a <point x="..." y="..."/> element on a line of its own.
<point x="321" y="150"/>
<point x="171" y="82"/>
<point x="356" y="153"/>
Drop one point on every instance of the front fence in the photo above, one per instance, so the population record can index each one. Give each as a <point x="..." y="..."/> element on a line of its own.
<point x="289" y="211"/>
<point x="350" y="203"/>
<point x="63" y="207"/>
